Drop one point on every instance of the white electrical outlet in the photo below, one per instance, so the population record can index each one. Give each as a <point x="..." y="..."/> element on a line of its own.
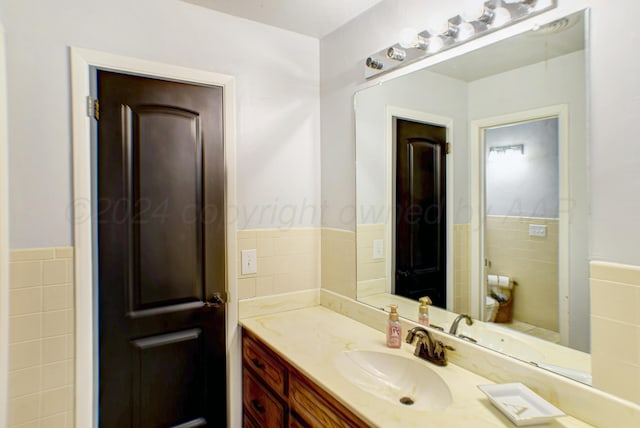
<point x="378" y="249"/>
<point x="249" y="261"/>
<point x="539" y="230"/>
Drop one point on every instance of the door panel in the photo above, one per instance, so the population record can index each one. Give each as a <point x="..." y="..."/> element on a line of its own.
<point x="167" y="151"/>
<point x="420" y="256"/>
<point x="154" y="390"/>
<point x="161" y="253"/>
<point x="424" y="175"/>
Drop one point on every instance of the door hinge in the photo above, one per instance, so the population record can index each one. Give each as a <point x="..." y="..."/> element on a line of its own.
<point x="93" y="108"/>
<point x="447" y="148"/>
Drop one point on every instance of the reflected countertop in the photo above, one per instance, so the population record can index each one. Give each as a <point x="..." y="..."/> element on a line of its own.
<point x="310" y="339"/>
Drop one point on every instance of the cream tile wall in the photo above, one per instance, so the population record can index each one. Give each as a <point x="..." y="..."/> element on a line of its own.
<point x="531" y="261"/>
<point x="461" y="268"/>
<point x="339" y="261"/>
<point x="41" y="340"/>
<point x="371" y="274"/>
<point x="615" y="329"/>
<point x="287" y="260"/>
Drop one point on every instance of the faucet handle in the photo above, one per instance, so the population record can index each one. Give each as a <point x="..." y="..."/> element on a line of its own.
<point x="439" y="353"/>
<point x="449" y="347"/>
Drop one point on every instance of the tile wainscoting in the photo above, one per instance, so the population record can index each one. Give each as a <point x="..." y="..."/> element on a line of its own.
<point x="287" y="260"/>
<point x="41" y="339"/>
<point x="41" y="349"/>
<point x="615" y="329"/>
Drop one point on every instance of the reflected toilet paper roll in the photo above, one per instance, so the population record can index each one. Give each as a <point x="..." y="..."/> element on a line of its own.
<point x="492" y="280"/>
<point x="505" y="282"/>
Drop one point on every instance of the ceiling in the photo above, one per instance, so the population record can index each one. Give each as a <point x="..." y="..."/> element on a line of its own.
<point x="315" y="18"/>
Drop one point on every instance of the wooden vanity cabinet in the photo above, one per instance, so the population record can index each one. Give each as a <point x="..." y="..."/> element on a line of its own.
<point x="277" y="395"/>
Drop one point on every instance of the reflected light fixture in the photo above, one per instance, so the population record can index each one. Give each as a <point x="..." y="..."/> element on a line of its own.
<point x="510" y="149"/>
<point x="475" y="19"/>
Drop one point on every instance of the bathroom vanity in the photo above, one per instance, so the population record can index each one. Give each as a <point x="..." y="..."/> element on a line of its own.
<point x="292" y="376"/>
<point x="276" y="394"/>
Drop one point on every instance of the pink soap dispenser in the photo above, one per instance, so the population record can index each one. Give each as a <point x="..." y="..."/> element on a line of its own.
<point x="394" y="328"/>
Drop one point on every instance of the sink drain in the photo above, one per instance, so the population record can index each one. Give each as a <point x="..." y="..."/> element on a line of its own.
<point x="407" y="401"/>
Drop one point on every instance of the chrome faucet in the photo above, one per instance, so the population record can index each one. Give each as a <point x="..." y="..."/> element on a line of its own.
<point x="454" y="326"/>
<point x="427" y="347"/>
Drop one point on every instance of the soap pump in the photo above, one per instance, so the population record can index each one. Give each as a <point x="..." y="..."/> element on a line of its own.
<point x="423" y="310"/>
<point x="394" y="328"/>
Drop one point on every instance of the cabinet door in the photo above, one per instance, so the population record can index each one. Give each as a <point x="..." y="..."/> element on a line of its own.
<point x="258" y="402"/>
<point x="296" y="422"/>
<point x="316" y="408"/>
<point x="247" y="421"/>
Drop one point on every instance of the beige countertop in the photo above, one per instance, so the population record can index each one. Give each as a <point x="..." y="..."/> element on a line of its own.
<point x="311" y="339"/>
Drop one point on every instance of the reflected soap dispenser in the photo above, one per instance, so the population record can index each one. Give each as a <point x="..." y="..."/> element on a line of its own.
<point x="394" y="328"/>
<point x="423" y="310"/>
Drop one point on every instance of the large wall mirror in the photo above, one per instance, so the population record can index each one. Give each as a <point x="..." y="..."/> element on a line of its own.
<point x="471" y="189"/>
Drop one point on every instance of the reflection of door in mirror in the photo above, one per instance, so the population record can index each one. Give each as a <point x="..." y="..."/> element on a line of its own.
<point x="420" y="211"/>
<point x="419" y="143"/>
<point x="521" y="226"/>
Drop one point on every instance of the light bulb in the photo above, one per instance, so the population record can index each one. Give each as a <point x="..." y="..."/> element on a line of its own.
<point x="472" y="10"/>
<point x="437" y="25"/>
<point x="500" y="17"/>
<point x="435" y="44"/>
<point x="408" y="38"/>
<point x="464" y="31"/>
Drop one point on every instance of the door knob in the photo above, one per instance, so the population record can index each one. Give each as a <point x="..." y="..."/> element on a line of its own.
<point x="214" y="301"/>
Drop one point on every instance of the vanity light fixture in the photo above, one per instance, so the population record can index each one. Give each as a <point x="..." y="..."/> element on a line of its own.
<point x="460" y="31"/>
<point x="410" y="38"/>
<point x="477" y="18"/>
<point x="435" y="44"/>
<point x="396" y="53"/>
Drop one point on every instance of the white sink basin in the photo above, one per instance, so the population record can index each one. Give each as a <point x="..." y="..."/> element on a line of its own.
<point x="401" y="380"/>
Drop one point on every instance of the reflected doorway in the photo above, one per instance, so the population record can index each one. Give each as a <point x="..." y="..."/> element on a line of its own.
<point x="520" y="231"/>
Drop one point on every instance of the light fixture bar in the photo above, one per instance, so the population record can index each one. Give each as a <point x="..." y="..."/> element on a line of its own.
<point x="497" y="14"/>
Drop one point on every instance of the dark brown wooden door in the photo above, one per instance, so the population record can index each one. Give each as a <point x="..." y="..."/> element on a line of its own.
<point x="420" y="256"/>
<point x="161" y="253"/>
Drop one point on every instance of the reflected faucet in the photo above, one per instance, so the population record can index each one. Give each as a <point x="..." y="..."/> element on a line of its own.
<point x="454" y="326"/>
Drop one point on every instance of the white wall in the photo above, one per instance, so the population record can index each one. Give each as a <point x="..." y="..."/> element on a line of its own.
<point x="615" y="153"/>
<point x="277" y="81"/>
<point x="4" y="238"/>
<point x="424" y="92"/>
<point x="523" y="184"/>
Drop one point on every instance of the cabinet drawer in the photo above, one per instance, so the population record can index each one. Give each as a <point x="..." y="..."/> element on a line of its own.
<point x="317" y="408"/>
<point x="264" y="364"/>
<point x="266" y="410"/>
